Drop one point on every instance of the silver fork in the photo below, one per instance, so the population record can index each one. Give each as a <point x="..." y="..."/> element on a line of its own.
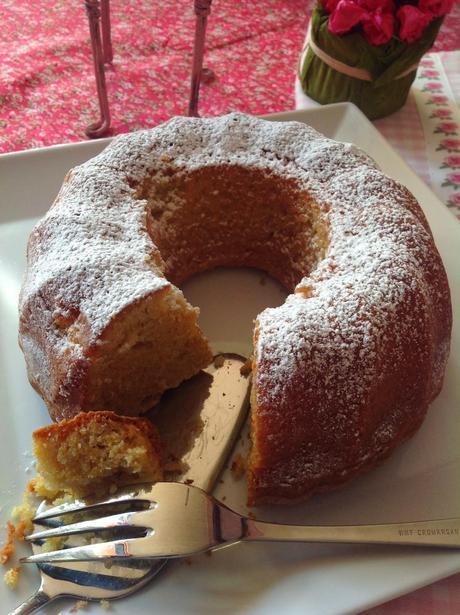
<point x="218" y="398"/>
<point x="182" y="520"/>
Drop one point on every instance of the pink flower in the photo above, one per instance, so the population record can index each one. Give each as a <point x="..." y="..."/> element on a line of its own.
<point x="346" y="15"/>
<point x="429" y="73"/>
<point x="379" y="27"/>
<point x="433" y="85"/>
<point x="448" y="127"/>
<point x="454" y="178"/>
<point x="329" y="5"/>
<point x="438" y="99"/>
<point x="453" y="160"/>
<point x="436" y="8"/>
<point x="413" y="22"/>
<point x="442" y="113"/>
<point x="450" y="144"/>
<point x="378" y="5"/>
<point x="455" y="199"/>
<point x="375" y="16"/>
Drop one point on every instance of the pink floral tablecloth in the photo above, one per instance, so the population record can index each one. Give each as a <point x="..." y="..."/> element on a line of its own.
<point x="47" y="96"/>
<point x="47" y="86"/>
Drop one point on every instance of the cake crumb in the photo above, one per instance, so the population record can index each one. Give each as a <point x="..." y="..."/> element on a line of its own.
<point x="238" y="467"/>
<point x="175" y="466"/>
<point x="246" y="368"/>
<point x="30" y="487"/>
<point x="24" y="527"/>
<point x="11" y="577"/>
<point x="219" y="360"/>
<point x="80" y="605"/>
<point x="8" y="549"/>
<point x="105" y="604"/>
<point x="55" y="543"/>
<point x="37" y="487"/>
<point x="25" y="512"/>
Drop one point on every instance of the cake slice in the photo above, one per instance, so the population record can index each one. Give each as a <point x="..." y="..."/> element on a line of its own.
<point x="95" y="453"/>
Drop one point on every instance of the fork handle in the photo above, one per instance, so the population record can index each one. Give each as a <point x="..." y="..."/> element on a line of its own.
<point x="33" y="604"/>
<point x="436" y="533"/>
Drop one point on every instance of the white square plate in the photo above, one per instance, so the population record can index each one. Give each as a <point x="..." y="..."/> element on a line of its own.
<point x="420" y="481"/>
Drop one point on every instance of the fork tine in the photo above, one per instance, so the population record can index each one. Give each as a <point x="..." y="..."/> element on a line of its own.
<point x="122" y="520"/>
<point x="82" y="507"/>
<point x="114" y="549"/>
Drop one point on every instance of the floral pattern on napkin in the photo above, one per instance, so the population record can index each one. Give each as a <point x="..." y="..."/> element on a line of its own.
<point x="440" y="117"/>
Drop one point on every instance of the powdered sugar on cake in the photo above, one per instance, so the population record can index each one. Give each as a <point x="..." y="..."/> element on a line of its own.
<point x="95" y="250"/>
<point x="335" y="338"/>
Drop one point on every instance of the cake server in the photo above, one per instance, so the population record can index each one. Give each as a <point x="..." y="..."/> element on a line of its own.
<point x="210" y="408"/>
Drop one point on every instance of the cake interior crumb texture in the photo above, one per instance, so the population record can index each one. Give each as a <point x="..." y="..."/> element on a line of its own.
<point x="153" y="347"/>
<point x="96" y="452"/>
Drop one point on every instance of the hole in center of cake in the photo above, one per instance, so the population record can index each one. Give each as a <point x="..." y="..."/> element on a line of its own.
<point x="202" y="219"/>
<point x="230" y="298"/>
<point x="230" y="215"/>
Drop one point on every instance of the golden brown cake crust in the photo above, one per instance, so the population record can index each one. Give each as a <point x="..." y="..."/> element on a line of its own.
<point x="64" y="428"/>
<point x="343" y="371"/>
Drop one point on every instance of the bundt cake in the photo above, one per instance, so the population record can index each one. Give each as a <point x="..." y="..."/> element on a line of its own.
<point x="96" y="452"/>
<point x="342" y="372"/>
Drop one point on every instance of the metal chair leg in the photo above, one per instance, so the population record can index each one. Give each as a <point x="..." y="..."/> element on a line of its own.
<point x="202" y="10"/>
<point x="106" y="34"/>
<point x="102" y="127"/>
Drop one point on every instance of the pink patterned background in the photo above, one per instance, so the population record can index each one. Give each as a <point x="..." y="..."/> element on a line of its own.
<point x="47" y="87"/>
